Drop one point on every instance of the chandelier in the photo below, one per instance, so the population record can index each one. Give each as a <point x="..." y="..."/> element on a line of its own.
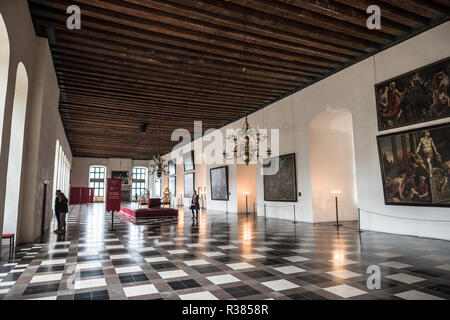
<point x="159" y="167"/>
<point x="246" y="144"/>
<point x="246" y="140"/>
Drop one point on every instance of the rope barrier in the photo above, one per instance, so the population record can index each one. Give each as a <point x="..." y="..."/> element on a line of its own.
<point x="289" y="206"/>
<point x="402" y="218"/>
<point x="266" y="206"/>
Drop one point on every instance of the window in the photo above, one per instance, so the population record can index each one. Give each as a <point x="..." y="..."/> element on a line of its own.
<point x="4" y="69"/>
<point x="158" y="188"/>
<point x="139" y="184"/>
<point x="97" y="180"/>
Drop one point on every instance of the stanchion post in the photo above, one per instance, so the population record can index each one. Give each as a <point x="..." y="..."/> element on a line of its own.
<point x="226" y="207"/>
<point x="294" y="215"/>
<point x="246" y="201"/>
<point x="359" y="221"/>
<point x="265" y="216"/>
<point x="336" y="194"/>
<point x="112" y="220"/>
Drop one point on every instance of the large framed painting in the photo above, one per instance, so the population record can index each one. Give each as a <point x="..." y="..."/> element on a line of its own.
<point x="172" y="168"/>
<point x="188" y="161"/>
<point x="123" y="175"/>
<point x="173" y="185"/>
<point x="281" y="185"/>
<point x="219" y="183"/>
<point x="415" y="166"/>
<point x="189" y="184"/>
<point x="418" y="96"/>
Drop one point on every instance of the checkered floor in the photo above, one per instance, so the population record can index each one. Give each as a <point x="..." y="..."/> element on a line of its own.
<point x="222" y="257"/>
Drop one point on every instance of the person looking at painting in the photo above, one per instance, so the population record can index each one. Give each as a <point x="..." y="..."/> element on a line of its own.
<point x="428" y="148"/>
<point x="194" y="205"/>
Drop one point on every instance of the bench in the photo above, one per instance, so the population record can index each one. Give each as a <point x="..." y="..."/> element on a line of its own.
<point x="9" y="236"/>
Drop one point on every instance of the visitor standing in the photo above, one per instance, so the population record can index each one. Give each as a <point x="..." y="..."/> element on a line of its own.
<point x="57" y="211"/>
<point x="195" y="205"/>
<point x="63" y="209"/>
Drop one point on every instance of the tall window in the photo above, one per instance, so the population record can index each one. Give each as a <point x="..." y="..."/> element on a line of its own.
<point x="4" y="69"/>
<point x="139" y="176"/>
<point x="158" y="186"/>
<point x="97" y="180"/>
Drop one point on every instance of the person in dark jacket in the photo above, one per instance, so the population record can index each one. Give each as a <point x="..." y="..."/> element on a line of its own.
<point x="195" y="205"/>
<point x="57" y="212"/>
<point x="63" y="209"/>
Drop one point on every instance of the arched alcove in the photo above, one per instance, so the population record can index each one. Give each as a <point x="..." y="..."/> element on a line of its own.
<point x="332" y="159"/>
<point x="4" y="69"/>
<point x="13" y="177"/>
<point x="246" y="187"/>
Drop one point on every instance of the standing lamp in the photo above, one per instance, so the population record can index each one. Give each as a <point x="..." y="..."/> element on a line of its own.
<point x="181" y="199"/>
<point x="246" y="201"/>
<point x="336" y="194"/>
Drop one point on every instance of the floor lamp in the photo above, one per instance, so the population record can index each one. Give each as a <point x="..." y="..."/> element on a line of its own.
<point x="336" y="194"/>
<point x="246" y="201"/>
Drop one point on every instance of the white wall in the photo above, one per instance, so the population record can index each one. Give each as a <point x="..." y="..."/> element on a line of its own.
<point x="43" y="125"/>
<point x="351" y="89"/>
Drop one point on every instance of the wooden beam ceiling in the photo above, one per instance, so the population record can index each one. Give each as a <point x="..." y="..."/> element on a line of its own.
<point x="170" y="62"/>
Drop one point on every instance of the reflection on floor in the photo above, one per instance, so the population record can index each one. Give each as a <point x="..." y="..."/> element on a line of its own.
<point x="222" y="257"/>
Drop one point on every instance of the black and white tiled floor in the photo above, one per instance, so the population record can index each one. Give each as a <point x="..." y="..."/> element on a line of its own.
<point x="222" y="257"/>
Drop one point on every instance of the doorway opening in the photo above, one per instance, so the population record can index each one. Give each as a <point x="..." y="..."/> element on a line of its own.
<point x="332" y="159"/>
<point x="246" y="188"/>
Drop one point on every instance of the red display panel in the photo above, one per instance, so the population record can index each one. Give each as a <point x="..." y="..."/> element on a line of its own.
<point x="75" y="195"/>
<point x="85" y="195"/>
<point x="113" y="194"/>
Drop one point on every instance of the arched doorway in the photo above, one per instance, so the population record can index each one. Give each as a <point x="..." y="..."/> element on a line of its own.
<point x="332" y="159"/>
<point x="4" y="69"/>
<point x="14" y="175"/>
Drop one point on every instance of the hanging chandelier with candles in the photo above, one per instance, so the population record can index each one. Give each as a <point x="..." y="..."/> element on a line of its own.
<point x="246" y="140"/>
<point x="246" y="144"/>
<point x="159" y="166"/>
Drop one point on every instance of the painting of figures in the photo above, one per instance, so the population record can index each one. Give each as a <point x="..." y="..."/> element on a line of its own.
<point x="282" y="185"/>
<point x="419" y="96"/>
<point x="415" y="166"/>
<point x="123" y="175"/>
<point x="219" y="183"/>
